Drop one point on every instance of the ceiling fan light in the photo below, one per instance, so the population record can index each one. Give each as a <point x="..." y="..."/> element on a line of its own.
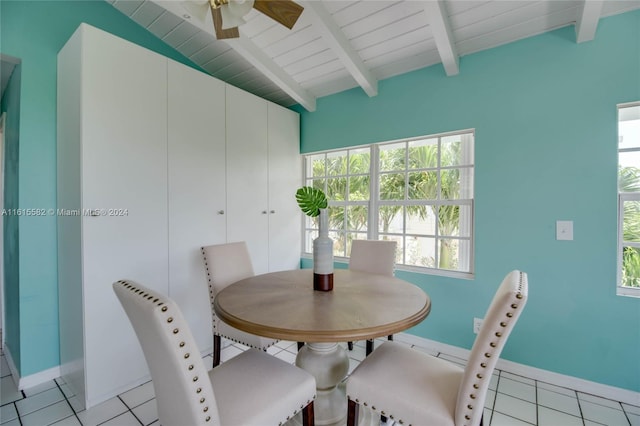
<point x="233" y="12"/>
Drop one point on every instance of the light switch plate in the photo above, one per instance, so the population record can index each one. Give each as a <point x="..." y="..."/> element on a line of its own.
<point x="564" y="230"/>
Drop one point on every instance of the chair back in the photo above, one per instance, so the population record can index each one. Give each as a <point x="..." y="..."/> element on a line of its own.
<point x="226" y="264"/>
<point x="375" y="256"/>
<point x="183" y="390"/>
<point x="498" y="322"/>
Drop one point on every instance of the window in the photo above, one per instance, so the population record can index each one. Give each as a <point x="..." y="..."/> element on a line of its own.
<point x="418" y="192"/>
<point x="629" y="199"/>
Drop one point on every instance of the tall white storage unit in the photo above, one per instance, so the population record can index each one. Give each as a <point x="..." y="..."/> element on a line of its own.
<point x="263" y="174"/>
<point x="196" y="188"/>
<point x="112" y="186"/>
<point x="155" y="160"/>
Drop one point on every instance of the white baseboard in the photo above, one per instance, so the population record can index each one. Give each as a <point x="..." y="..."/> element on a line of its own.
<point x="33" y="379"/>
<point x="557" y="379"/>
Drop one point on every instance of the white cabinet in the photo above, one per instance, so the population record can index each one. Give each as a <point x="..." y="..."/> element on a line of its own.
<point x="155" y="160"/>
<point x="247" y="196"/>
<point x="263" y="173"/>
<point x="285" y="175"/>
<point x="196" y="188"/>
<point x="112" y="201"/>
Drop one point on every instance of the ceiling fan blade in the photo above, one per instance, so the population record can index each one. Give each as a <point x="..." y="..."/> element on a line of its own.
<point x="285" y="12"/>
<point x="217" y="24"/>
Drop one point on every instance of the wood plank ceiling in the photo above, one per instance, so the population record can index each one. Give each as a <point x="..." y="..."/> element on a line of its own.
<point x="340" y="44"/>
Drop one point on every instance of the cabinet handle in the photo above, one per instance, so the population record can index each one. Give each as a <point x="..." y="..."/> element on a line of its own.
<point x="272" y="211"/>
<point x="220" y="211"/>
<point x="264" y="212"/>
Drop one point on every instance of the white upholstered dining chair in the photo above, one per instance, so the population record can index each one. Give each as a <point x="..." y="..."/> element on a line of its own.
<point x="252" y="388"/>
<point x="224" y="265"/>
<point x="376" y="257"/>
<point x="413" y="388"/>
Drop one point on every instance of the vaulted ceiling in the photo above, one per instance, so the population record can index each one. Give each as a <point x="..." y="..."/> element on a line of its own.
<point x="340" y="44"/>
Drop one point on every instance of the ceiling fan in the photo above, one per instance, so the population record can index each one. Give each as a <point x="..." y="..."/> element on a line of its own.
<point x="228" y="14"/>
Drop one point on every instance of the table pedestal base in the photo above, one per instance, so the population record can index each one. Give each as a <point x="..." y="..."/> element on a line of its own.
<point x="329" y="364"/>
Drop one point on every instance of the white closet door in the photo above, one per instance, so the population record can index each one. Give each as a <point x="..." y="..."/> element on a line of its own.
<point x="196" y="127"/>
<point x="247" y="174"/>
<point x="124" y="178"/>
<point x="285" y="176"/>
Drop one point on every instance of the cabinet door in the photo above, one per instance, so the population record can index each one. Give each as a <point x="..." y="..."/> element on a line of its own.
<point x="124" y="178"/>
<point x="247" y="174"/>
<point x="285" y="176"/>
<point x="196" y="129"/>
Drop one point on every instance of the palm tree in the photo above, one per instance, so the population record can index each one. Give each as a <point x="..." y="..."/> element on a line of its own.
<point x="629" y="181"/>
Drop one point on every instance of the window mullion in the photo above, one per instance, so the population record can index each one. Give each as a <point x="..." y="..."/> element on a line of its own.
<point x="374" y="192"/>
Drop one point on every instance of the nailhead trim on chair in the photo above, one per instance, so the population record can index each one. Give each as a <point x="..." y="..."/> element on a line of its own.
<point x="212" y="296"/>
<point x="492" y="345"/>
<point x="175" y="332"/>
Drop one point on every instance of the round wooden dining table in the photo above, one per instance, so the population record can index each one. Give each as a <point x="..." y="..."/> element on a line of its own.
<point x="284" y="305"/>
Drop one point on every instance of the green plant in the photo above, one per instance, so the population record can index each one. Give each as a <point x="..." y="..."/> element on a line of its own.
<point x="311" y="200"/>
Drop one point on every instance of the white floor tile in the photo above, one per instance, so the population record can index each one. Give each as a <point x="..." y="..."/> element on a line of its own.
<point x="286" y="344"/>
<point x="126" y="419"/>
<point x="514" y="407"/>
<point x="549" y="417"/>
<point x="490" y="400"/>
<point x="493" y="384"/>
<point x="69" y="421"/>
<point x="516" y="389"/>
<point x="499" y="419"/>
<point x="47" y="415"/>
<point x="138" y="395"/>
<point x="39" y="401"/>
<point x="633" y="409"/>
<point x="102" y="412"/>
<point x="147" y="413"/>
<point x="517" y="378"/>
<point x="560" y="402"/>
<point x="8" y="391"/>
<point x="8" y="412"/>
<point x="600" y="401"/>
<point x="14" y="422"/>
<point x="40" y="388"/>
<point x="557" y="389"/>
<point x="286" y="356"/>
<point x="601" y="414"/>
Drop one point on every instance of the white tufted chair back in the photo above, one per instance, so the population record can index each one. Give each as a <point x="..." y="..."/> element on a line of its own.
<point x="226" y="264"/>
<point x="375" y="256"/>
<point x="499" y="320"/>
<point x="183" y="391"/>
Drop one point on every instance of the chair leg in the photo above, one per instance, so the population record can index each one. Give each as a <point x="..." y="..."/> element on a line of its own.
<point x="369" y="346"/>
<point x="390" y="337"/>
<point x="300" y="345"/>
<point x="352" y="413"/>
<point x="308" y="416"/>
<point x="217" y="343"/>
<point x="350" y="345"/>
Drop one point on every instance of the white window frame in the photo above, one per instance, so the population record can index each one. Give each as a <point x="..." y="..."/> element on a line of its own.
<point x="466" y="249"/>
<point x="622" y="198"/>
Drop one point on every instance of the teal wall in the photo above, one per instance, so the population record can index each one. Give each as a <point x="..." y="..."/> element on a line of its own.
<point x="34" y="31"/>
<point x="544" y="110"/>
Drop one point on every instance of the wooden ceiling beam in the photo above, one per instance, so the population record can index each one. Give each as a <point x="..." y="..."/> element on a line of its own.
<point x="441" y="29"/>
<point x="338" y="42"/>
<point x="587" y="20"/>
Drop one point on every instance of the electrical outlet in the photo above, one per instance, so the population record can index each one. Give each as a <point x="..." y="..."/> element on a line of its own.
<point x="477" y="323"/>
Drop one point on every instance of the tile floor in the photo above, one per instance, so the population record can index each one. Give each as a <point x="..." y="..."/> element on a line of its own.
<point x="512" y="400"/>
